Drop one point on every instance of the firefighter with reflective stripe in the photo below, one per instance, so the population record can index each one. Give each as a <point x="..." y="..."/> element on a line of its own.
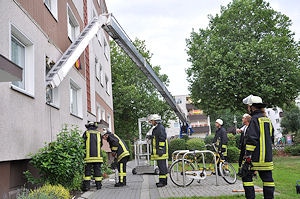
<point x="93" y="159"/>
<point x="120" y="152"/>
<point x="221" y="138"/>
<point x="259" y="138"/>
<point x="159" y="148"/>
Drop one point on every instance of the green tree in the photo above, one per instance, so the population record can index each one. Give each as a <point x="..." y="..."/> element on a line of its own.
<point x="134" y="96"/>
<point x="247" y="49"/>
<point x="291" y="120"/>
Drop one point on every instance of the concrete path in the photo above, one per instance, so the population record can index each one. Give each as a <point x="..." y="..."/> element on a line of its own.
<point x="142" y="186"/>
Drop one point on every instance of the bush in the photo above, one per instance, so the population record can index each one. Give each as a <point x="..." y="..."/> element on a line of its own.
<point x="61" y="161"/>
<point x="209" y="139"/>
<point x="237" y="139"/>
<point x="231" y="140"/>
<point x="130" y="148"/>
<point x="176" y="144"/>
<point x="295" y="150"/>
<point x="233" y="154"/>
<point x="195" y="144"/>
<point x="46" y="192"/>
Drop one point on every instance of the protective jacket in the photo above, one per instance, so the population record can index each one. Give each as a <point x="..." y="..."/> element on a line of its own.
<point x="221" y="140"/>
<point x="118" y="146"/>
<point x="159" y="143"/>
<point x="92" y="143"/>
<point x="259" y="138"/>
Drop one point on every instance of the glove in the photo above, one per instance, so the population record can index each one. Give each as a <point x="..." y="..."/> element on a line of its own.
<point x="149" y="137"/>
<point x="160" y="152"/>
<point x="114" y="165"/>
<point x="248" y="159"/>
<point x="113" y="154"/>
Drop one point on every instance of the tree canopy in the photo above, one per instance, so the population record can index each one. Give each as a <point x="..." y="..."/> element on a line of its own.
<point x="247" y="49"/>
<point x="134" y="96"/>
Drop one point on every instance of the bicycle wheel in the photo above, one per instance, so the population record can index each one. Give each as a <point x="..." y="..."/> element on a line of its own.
<point x="176" y="172"/>
<point x="228" y="172"/>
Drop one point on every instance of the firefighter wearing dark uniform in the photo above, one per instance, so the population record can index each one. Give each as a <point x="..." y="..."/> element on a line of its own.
<point x="159" y="148"/>
<point x="120" y="152"/>
<point x="93" y="159"/>
<point x="259" y="138"/>
<point x="221" y="138"/>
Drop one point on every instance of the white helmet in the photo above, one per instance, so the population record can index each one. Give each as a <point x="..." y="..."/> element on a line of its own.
<point x="154" y="117"/>
<point x="219" y="121"/>
<point x="254" y="100"/>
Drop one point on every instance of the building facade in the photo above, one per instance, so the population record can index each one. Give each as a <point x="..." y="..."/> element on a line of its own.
<point x="199" y="122"/>
<point x="34" y="35"/>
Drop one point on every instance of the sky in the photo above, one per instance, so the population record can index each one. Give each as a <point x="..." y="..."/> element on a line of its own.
<point x="165" y="25"/>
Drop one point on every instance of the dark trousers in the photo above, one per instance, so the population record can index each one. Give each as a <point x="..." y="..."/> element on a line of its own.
<point x="268" y="184"/>
<point x="122" y="169"/>
<point x="96" y="167"/>
<point x="163" y="170"/>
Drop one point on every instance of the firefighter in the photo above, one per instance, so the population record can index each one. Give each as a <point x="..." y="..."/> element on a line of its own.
<point x="119" y="152"/>
<point x="221" y="139"/>
<point x="259" y="138"/>
<point x="159" y="148"/>
<point x="93" y="159"/>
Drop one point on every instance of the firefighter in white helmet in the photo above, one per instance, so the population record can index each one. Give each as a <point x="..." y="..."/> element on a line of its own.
<point x="159" y="148"/>
<point x="221" y="139"/>
<point x="259" y="138"/>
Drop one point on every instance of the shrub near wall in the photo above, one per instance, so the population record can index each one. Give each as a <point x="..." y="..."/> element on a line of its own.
<point x="176" y="144"/>
<point x="195" y="144"/>
<point x="61" y="161"/>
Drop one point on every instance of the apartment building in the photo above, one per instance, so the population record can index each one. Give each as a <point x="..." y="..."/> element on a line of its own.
<point x="199" y="122"/>
<point x="34" y="35"/>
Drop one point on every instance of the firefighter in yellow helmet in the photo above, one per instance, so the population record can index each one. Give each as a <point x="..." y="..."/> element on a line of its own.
<point x="120" y="153"/>
<point x="159" y="148"/>
<point x="259" y="138"/>
<point x="93" y="159"/>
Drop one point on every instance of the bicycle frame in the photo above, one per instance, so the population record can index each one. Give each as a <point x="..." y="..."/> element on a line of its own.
<point x="185" y="153"/>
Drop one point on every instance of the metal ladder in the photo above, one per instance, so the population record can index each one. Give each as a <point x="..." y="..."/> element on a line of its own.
<point x="67" y="60"/>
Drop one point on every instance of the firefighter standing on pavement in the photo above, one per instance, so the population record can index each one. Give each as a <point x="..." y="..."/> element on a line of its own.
<point x="259" y="138"/>
<point x="93" y="159"/>
<point x="120" y="152"/>
<point x="221" y="138"/>
<point x="159" y="148"/>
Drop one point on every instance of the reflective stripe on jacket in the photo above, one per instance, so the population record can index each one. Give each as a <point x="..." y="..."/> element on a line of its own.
<point x="118" y="146"/>
<point x="92" y="140"/>
<point x="259" y="139"/>
<point x="159" y="142"/>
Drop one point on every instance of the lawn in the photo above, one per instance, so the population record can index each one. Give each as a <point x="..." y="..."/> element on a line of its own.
<point x="285" y="174"/>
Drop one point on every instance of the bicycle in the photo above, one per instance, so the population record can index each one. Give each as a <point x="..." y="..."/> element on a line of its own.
<point x="184" y="171"/>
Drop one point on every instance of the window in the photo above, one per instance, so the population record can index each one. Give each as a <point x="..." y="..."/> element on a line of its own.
<point x="18" y="57"/>
<point x="107" y="85"/>
<point x="52" y="7"/>
<point x="106" y="49"/>
<point x="97" y="68"/>
<point x="75" y="99"/>
<point x="73" y="26"/>
<point x="101" y="75"/>
<point x="22" y="55"/>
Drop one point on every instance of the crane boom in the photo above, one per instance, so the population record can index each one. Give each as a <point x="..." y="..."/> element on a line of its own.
<point x="115" y="31"/>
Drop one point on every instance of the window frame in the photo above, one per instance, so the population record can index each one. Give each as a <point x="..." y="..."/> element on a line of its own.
<point x="52" y="7"/>
<point x="78" y="94"/>
<point x="73" y="25"/>
<point x="28" y="68"/>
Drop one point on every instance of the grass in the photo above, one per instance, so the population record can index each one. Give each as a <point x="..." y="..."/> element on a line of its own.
<point x="286" y="172"/>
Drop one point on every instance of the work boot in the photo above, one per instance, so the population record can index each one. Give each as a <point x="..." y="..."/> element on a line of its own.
<point x="85" y="185"/>
<point x="119" y="184"/>
<point x="161" y="183"/>
<point x="98" y="185"/>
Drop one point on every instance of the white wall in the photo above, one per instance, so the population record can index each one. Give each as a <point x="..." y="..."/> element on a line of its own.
<point x="27" y="122"/>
